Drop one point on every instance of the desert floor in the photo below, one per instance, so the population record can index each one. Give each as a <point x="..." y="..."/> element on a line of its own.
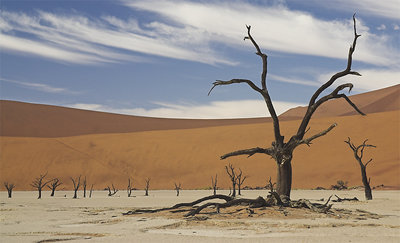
<point x="100" y="218"/>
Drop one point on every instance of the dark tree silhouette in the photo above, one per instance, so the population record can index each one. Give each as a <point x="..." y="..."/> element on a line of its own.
<point x="53" y="185"/>
<point x="113" y="192"/>
<point x="281" y="151"/>
<point x="230" y="170"/>
<point x="147" y="187"/>
<point x="91" y="190"/>
<point x="84" y="183"/>
<point x="77" y="184"/>
<point x="9" y="188"/>
<point x="358" y="154"/>
<point x="38" y="183"/>
<point x="214" y="184"/>
<point x="240" y="181"/>
<point x="178" y="187"/>
<point x="130" y="187"/>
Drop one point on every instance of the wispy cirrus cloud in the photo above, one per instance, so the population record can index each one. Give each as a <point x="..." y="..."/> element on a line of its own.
<point x="40" y="87"/>
<point x="187" y="30"/>
<point x="212" y="110"/>
<point x="276" y="27"/>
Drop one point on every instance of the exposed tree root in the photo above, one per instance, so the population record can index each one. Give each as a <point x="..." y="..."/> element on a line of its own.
<point x="272" y="200"/>
<point x="344" y="199"/>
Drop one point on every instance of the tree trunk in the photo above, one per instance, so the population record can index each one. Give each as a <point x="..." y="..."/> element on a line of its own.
<point x="367" y="188"/>
<point x="52" y="192"/>
<point x="284" y="179"/>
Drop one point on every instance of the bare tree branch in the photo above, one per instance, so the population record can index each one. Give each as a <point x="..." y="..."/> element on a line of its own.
<point x="308" y="140"/>
<point x="249" y="152"/>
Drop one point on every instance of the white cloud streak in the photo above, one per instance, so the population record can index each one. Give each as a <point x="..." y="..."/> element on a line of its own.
<point x="276" y="27"/>
<point x="189" y="31"/>
<point x="213" y="110"/>
<point x="40" y="87"/>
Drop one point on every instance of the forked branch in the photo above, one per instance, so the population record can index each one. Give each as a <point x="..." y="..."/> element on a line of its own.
<point x="249" y="152"/>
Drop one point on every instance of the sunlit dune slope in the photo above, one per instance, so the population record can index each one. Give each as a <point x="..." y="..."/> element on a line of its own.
<point x="191" y="156"/>
<point x="387" y="99"/>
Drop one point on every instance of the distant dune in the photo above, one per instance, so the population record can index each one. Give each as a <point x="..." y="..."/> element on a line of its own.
<point x="387" y="99"/>
<point x="169" y="154"/>
<point x="19" y="119"/>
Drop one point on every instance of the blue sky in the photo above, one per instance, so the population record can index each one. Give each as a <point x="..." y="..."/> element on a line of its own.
<point x="159" y="58"/>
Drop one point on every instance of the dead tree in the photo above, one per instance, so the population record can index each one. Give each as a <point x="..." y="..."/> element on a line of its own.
<point x="91" y="190"/>
<point x="130" y="188"/>
<point x="113" y="192"/>
<point x="38" y="183"/>
<point x="358" y="154"/>
<point x="84" y="187"/>
<point x="214" y="184"/>
<point x="147" y="187"/>
<point x="77" y="184"/>
<point x="282" y="151"/>
<point x="230" y="170"/>
<point x="240" y="181"/>
<point x="9" y="188"/>
<point x="177" y="188"/>
<point x="53" y="186"/>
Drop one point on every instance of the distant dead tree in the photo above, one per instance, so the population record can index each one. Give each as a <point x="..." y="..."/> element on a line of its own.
<point x="39" y="184"/>
<point x="230" y="170"/>
<point x="178" y="187"/>
<point x="113" y="192"/>
<point x="91" y="190"/>
<point x="9" y="187"/>
<point x="77" y="184"/>
<point x="130" y="187"/>
<point x="240" y="181"/>
<point x="53" y="185"/>
<point x="214" y="184"/>
<point x="280" y="150"/>
<point x="147" y="187"/>
<point x="84" y="186"/>
<point x="358" y="154"/>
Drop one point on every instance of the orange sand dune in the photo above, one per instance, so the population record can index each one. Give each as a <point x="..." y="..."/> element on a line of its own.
<point x="387" y="99"/>
<point x="191" y="156"/>
<point x="19" y="119"/>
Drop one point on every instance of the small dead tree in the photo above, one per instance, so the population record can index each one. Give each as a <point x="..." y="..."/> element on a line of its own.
<point x="9" y="187"/>
<point x="91" y="190"/>
<point x="178" y="187"/>
<point x="130" y="187"/>
<point x="77" y="184"/>
<point x="214" y="184"/>
<point x="230" y="170"/>
<point x="358" y="154"/>
<point x="113" y="192"/>
<point x="147" y="180"/>
<point x="84" y="186"/>
<point x="53" y="185"/>
<point x="280" y="150"/>
<point x="240" y="181"/>
<point x="38" y="183"/>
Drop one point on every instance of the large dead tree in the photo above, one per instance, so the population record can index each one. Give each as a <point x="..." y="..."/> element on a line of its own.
<point x="9" y="187"/>
<point x="282" y="151"/>
<point x="38" y="183"/>
<point x="358" y="154"/>
<point x="53" y="185"/>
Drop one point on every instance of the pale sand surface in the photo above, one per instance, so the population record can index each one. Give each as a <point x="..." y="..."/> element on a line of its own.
<point x="24" y="218"/>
